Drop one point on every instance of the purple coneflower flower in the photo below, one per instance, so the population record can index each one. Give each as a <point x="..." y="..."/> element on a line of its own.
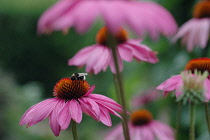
<point x="81" y="14"/>
<point x="143" y="127"/>
<point x="192" y="84"/>
<point x="195" y="32"/>
<point x="99" y="56"/>
<point x="72" y="97"/>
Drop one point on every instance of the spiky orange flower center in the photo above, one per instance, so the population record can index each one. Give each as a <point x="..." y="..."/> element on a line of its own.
<point x="141" y="117"/>
<point x="201" y="64"/>
<point x="102" y="36"/>
<point x="202" y="9"/>
<point x="70" y="89"/>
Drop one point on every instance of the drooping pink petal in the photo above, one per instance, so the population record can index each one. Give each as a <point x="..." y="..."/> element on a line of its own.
<point x="162" y="131"/>
<point x="26" y="118"/>
<point x="82" y="56"/>
<point x="38" y="112"/>
<point x="64" y="116"/>
<point x="75" y="110"/>
<point x="125" y="52"/>
<point x="81" y="20"/>
<point x="204" y="32"/>
<point x="171" y="83"/>
<point x="86" y="108"/>
<point x="144" y="25"/>
<point x="110" y="110"/>
<point x="105" y="117"/>
<point x="142" y="52"/>
<point x="93" y="105"/>
<point x="191" y="38"/>
<point x="111" y="16"/>
<point x="136" y="133"/>
<point x="107" y="101"/>
<point x="184" y="29"/>
<point x="147" y="133"/>
<point x="179" y="88"/>
<point x="54" y="116"/>
<point x="47" y="20"/>
<point x="90" y="90"/>
<point x="102" y="61"/>
<point x="207" y="89"/>
<point x="168" y="27"/>
<point x="95" y="55"/>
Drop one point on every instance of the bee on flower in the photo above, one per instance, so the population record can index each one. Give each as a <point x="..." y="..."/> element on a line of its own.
<point x="72" y="97"/>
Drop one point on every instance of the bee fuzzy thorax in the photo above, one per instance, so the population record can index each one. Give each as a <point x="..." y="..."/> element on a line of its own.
<point x="78" y="76"/>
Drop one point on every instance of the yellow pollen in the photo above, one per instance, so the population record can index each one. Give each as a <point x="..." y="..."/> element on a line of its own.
<point x="102" y="36"/>
<point x="141" y="117"/>
<point x="202" y="9"/>
<point x="199" y="64"/>
<point x="70" y="89"/>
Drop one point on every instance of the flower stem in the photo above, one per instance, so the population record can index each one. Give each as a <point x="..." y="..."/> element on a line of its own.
<point x="117" y="87"/>
<point x="178" y="116"/>
<point x="207" y="116"/>
<point x="74" y="130"/>
<point x="192" y="121"/>
<point x="113" y="45"/>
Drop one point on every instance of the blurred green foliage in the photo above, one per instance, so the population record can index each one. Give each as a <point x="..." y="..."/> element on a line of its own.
<point x="31" y="64"/>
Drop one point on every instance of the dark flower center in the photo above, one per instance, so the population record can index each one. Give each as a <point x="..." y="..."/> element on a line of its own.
<point x="202" y="9"/>
<point x="141" y="117"/>
<point x="200" y="64"/>
<point x="69" y="89"/>
<point x="102" y="36"/>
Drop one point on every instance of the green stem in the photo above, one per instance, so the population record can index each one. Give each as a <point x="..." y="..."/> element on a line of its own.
<point x="207" y="116"/>
<point x="117" y="87"/>
<point x="113" y="45"/>
<point x="192" y="121"/>
<point x="74" y="130"/>
<point x="178" y="116"/>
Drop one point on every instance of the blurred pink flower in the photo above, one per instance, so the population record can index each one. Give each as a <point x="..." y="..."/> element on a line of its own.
<point x="72" y="98"/>
<point x="143" y="127"/>
<point x="195" y="32"/>
<point x="81" y="14"/>
<point x="144" y="98"/>
<point x="99" y="56"/>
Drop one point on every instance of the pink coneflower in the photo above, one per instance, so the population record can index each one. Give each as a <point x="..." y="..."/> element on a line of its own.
<point x="81" y="14"/>
<point x="195" y="32"/>
<point x="72" y="97"/>
<point x="143" y="127"/>
<point x="192" y="84"/>
<point x="99" y="56"/>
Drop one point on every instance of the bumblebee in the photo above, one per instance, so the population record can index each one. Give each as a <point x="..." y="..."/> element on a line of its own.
<point x="78" y="76"/>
